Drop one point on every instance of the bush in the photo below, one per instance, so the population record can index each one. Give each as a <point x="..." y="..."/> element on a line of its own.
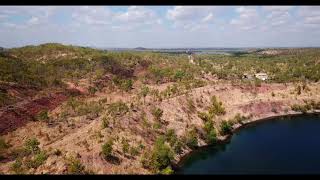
<point x="123" y="84"/>
<point x="168" y="170"/>
<point x="125" y="146"/>
<point x="204" y="116"/>
<point x="107" y="149"/>
<point x="157" y="113"/>
<point x="92" y="90"/>
<point x="126" y="85"/>
<point x="238" y="118"/>
<point x="190" y="105"/>
<point x="216" y="107"/>
<point x="178" y="145"/>
<point x="38" y="160"/>
<point x="32" y="145"/>
<point x="161" y="155"/>
<point x="118" y="109"/>
<point x="191" y="139"/>
<point x="212" y="137"/>
<point x="134" y="151"/>
<point x="144" y="91"/>
<point x="226" y="128"/>
<point x="16" y="167"/>
<point x="43" y="116"/>
<point x="105" y="122"/>
<point x="171" y="136"/>
<point x="75" y="167"/>
<point x="3" y="144"/>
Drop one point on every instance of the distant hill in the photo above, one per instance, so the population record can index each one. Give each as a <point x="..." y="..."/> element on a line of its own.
<point x="140" y="48"/>
<point x="50" y="51"/>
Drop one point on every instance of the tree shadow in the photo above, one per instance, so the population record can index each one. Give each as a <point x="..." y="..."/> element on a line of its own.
<point x="113" y="159"/>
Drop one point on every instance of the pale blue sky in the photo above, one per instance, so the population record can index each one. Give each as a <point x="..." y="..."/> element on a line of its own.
<point x="161" y="26"/>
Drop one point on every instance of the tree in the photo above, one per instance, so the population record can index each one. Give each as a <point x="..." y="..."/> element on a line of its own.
<point x="125" y="146"/>
<point x="226" y="128"/>
<point x="160" y="157"/>
<point x="144" y="92"/>
<point x="191" y="139"/>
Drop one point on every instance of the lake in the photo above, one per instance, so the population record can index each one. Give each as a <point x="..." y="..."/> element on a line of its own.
<point x="286" y="145"/>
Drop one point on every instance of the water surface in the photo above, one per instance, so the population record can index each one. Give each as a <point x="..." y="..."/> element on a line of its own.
<point x="289" y="145"/>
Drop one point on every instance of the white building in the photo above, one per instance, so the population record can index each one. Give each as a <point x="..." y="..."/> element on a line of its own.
<point x="261" y="76"/>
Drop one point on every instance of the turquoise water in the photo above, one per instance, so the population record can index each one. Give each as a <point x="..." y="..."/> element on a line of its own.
<point x="290" y="145"/>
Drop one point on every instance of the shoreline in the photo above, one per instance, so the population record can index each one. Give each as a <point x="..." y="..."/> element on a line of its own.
<point x="235" y="128"/>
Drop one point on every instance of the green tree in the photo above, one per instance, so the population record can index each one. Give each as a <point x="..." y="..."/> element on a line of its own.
<point x="191" y="139"/>
<point x="32" y="145"/>
<point x="144" y="92"/>
<point x="226" y="127"/>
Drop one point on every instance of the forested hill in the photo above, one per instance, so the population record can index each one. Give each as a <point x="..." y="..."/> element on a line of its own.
<point x="49" y="51"/>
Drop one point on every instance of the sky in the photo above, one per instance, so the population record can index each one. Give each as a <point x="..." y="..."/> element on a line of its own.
<point x="161" y="26"/>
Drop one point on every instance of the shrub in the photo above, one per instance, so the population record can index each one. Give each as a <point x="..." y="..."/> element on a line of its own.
<point x="204" y="116"/>
<point x="216" y="107"/>
<point x="134" y="151"/>
<point x="156" y="125"/>
<point x="37" y="160"/>
<point x="125" y="146"/>
<point x="171" y="136"/>
<point x="226" y="128"/>
<point x="118" y="109"/>
<point x="178" y="145"/>
<point x="161" y="155"/>
<point x="179" y="75"/>
<point x="190" y="105"/>
<point x="3" y="144"/>
<point x="191" y="139"/>
<point x="75" y="167"/>
<point x="303" y="108"/>
<point x="16" y="167"/>
<point x="126" y="85"/>
<point x="157" y="113"/>
<point x="92" y="90"/>
<point x="168" y="170"/>
<point x="212" y="137"/>
<point x="105" y="122"/>
<point x="238" y="118"/>
<point x="42" y="116"/>
<point x="32" y="145"/>
<point x="107" y="149"/>
<point x="144" y="91"/>
<point x="123" y="84"/>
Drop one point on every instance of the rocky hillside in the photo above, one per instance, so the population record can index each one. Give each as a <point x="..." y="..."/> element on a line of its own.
<point x="135" y="112"/>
